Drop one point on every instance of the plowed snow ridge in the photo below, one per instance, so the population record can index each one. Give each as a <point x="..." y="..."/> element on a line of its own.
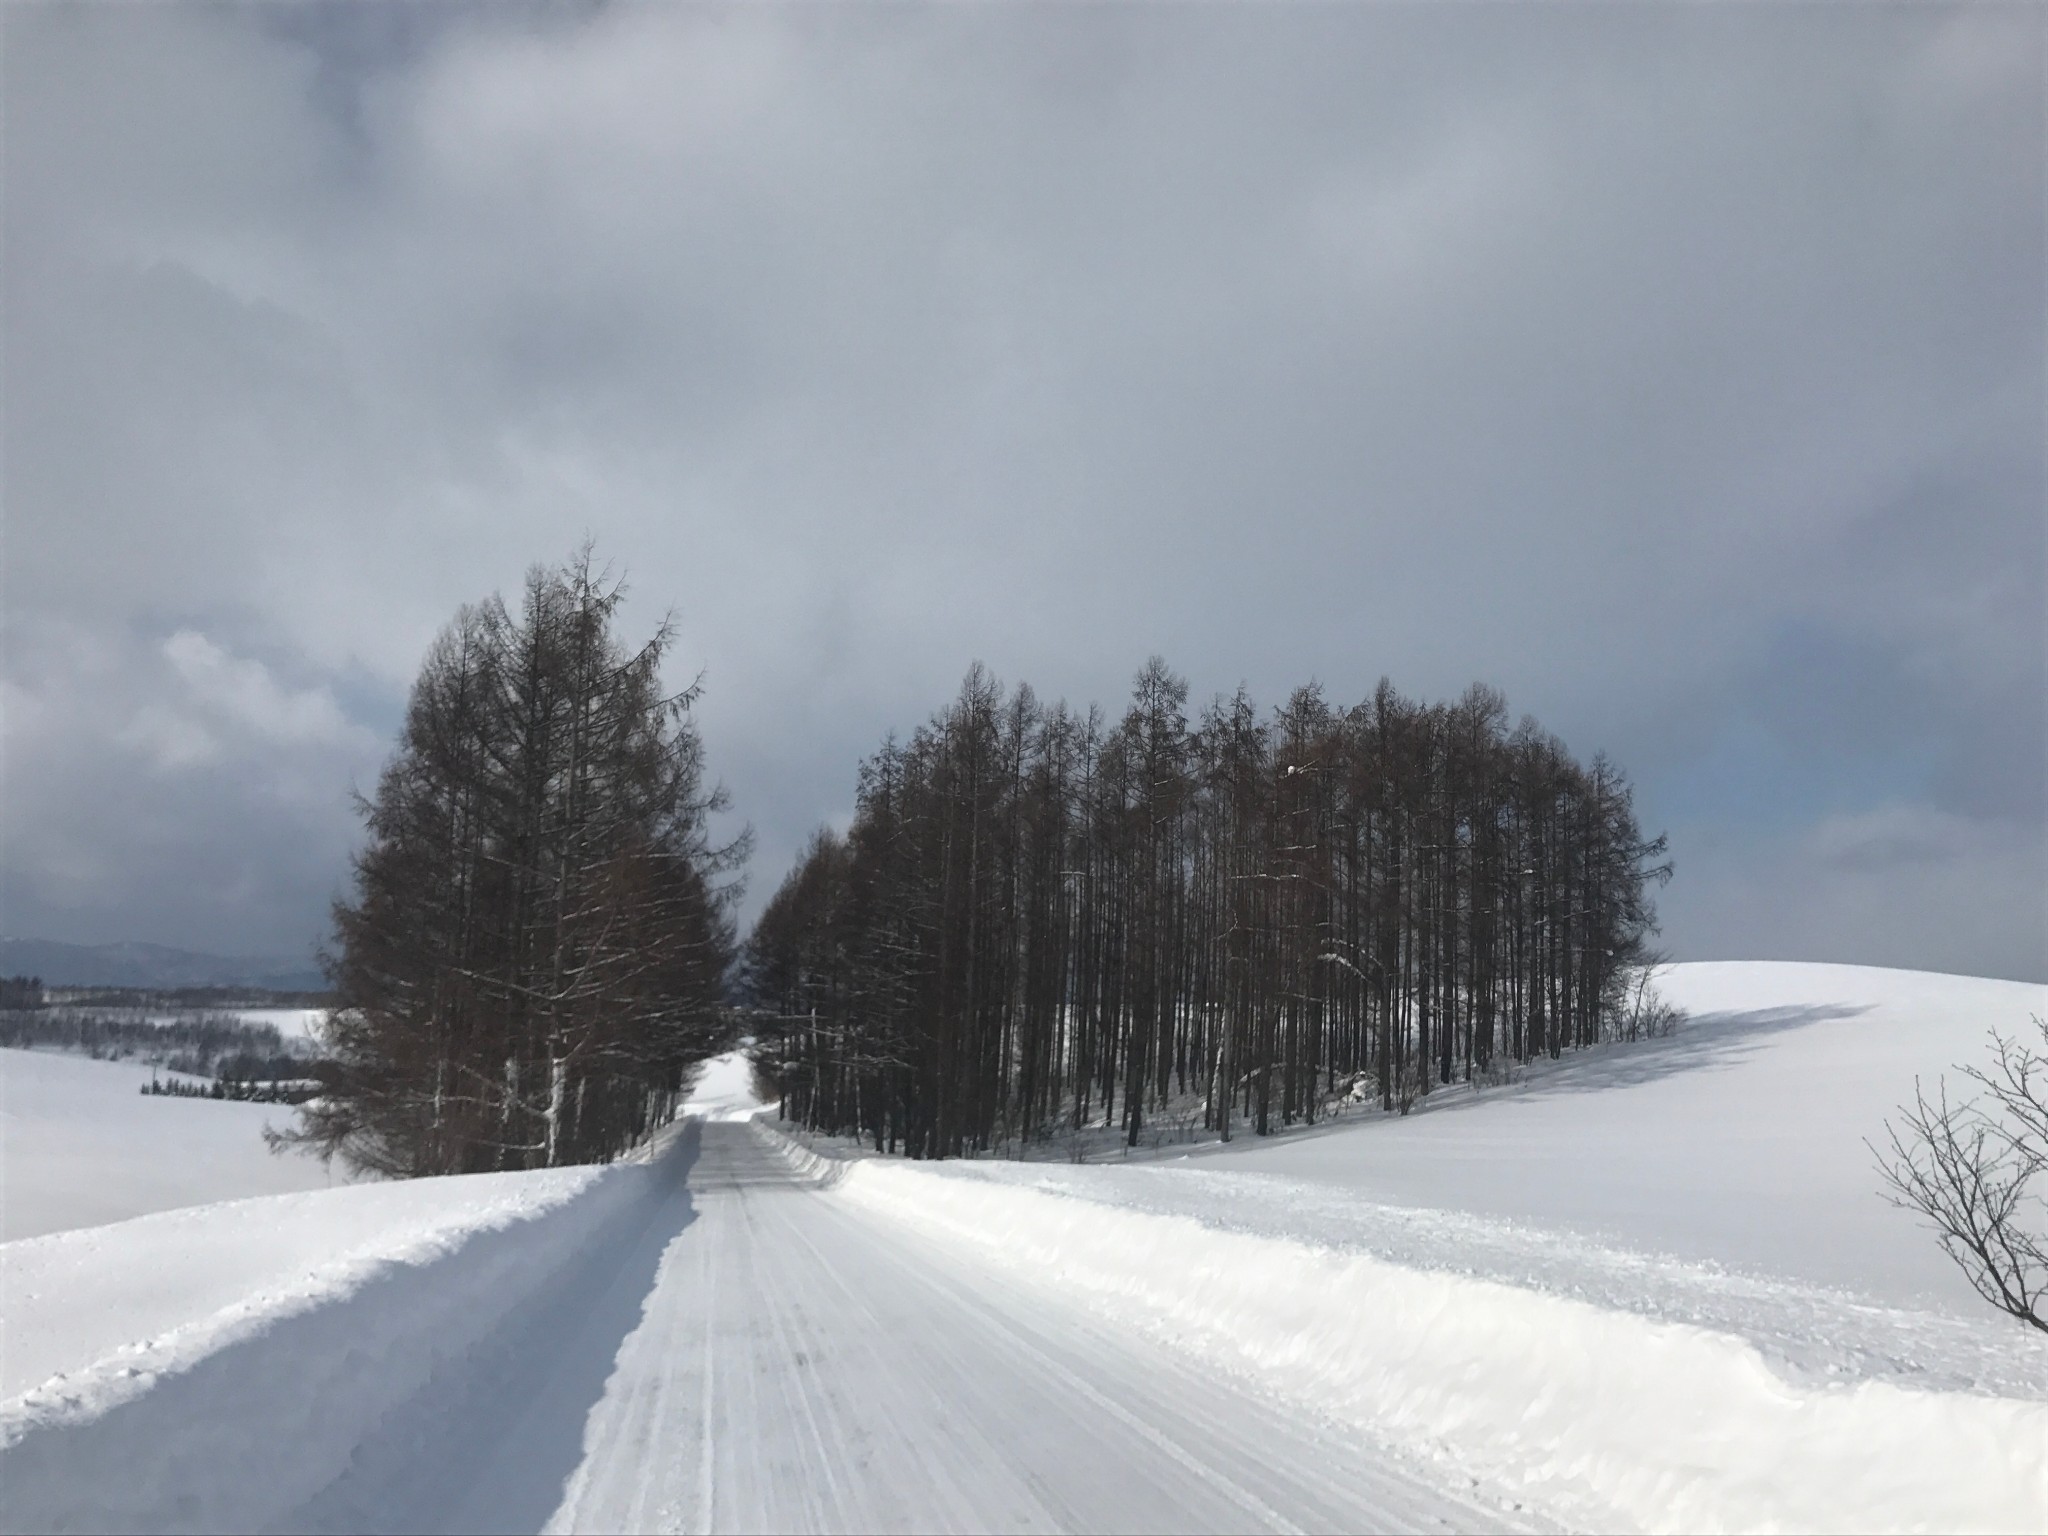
<point x="1593" y="1414"/>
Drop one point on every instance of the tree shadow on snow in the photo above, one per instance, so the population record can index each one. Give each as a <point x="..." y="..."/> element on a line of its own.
<point x="1705" y="1042"/>
<point x="492" y="1441"/>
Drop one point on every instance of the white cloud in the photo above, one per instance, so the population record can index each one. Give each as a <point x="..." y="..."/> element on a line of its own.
<point x="215" y="705"/>
<point x="241" y="691"/>
<point x="170" y="741"/>
<point x="169" y="788"/>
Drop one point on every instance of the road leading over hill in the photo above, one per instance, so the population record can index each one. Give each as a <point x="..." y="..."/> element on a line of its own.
<point x="751" y="1354"/>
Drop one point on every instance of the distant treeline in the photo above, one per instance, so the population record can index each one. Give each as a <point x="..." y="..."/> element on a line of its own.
<point x="202" y="1044"/>
<point x="179" y="999"/>
<point x="1041" y="919"/>
<point x="237" y="1090"/>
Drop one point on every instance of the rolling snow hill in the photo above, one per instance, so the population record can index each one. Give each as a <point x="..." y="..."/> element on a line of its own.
<point x="1740" y="1141"/>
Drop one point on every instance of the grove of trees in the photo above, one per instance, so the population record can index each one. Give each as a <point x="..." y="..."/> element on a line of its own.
<point x="1042" y="919"/>
<point x="535" y="952"/>
<point x="201" y="1042"/>
<point x="21" y="992"/>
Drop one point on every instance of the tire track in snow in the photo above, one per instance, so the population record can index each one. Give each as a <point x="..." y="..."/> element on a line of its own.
<point x="1068" y="1380"/>
<point x="850" y="1377"/>
<point x="796" y="1364"/>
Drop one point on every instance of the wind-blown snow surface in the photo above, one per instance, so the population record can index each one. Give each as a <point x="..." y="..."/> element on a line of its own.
<point x="80" y="1145"/>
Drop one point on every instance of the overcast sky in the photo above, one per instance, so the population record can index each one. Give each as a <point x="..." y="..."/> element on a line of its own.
<point x="1678" y="370"/>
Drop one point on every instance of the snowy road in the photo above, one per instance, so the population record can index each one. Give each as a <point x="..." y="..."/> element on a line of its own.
<point x="751" y="1354"/>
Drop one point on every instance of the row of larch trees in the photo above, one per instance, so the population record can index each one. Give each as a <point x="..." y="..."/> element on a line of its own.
<point x="536" y="951"/>
<point x="1041" y="921"/>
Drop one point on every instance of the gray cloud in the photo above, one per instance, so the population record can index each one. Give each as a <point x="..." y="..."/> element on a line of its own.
<point x="1679" y="370"/>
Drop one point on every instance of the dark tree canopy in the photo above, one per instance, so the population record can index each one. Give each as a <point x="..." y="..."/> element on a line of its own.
<point x="1042" y="919"/>
<point x="536" y="949"/>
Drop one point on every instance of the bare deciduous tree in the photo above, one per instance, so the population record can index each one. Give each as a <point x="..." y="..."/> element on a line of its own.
<point x="1969" y="1168"/>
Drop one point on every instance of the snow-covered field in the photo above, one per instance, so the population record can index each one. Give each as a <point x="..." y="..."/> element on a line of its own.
<point x="1739" y="1141"/>
<point x="80" y="1145"/>
<point x="292" y="1023"/>
<point x="1652" y="1289"/>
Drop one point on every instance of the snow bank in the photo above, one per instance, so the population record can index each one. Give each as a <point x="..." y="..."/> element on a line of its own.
<point x="213" y="1369"/>
<point x="1807" y="1333"/>
<point x="1598" y="1416"/>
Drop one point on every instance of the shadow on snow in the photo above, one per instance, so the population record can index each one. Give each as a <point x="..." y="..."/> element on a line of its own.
<point x="1706" y="1042"/>
<point x="492" y="1441"/>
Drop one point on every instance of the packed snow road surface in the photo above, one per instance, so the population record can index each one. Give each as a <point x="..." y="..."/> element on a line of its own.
<point x="801" y="1369"/>
<point x="727" y="1347"/>
<point x="795" y="1368"/>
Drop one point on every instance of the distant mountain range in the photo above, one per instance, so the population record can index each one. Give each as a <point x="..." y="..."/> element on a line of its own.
<point x="153" y="965"/>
